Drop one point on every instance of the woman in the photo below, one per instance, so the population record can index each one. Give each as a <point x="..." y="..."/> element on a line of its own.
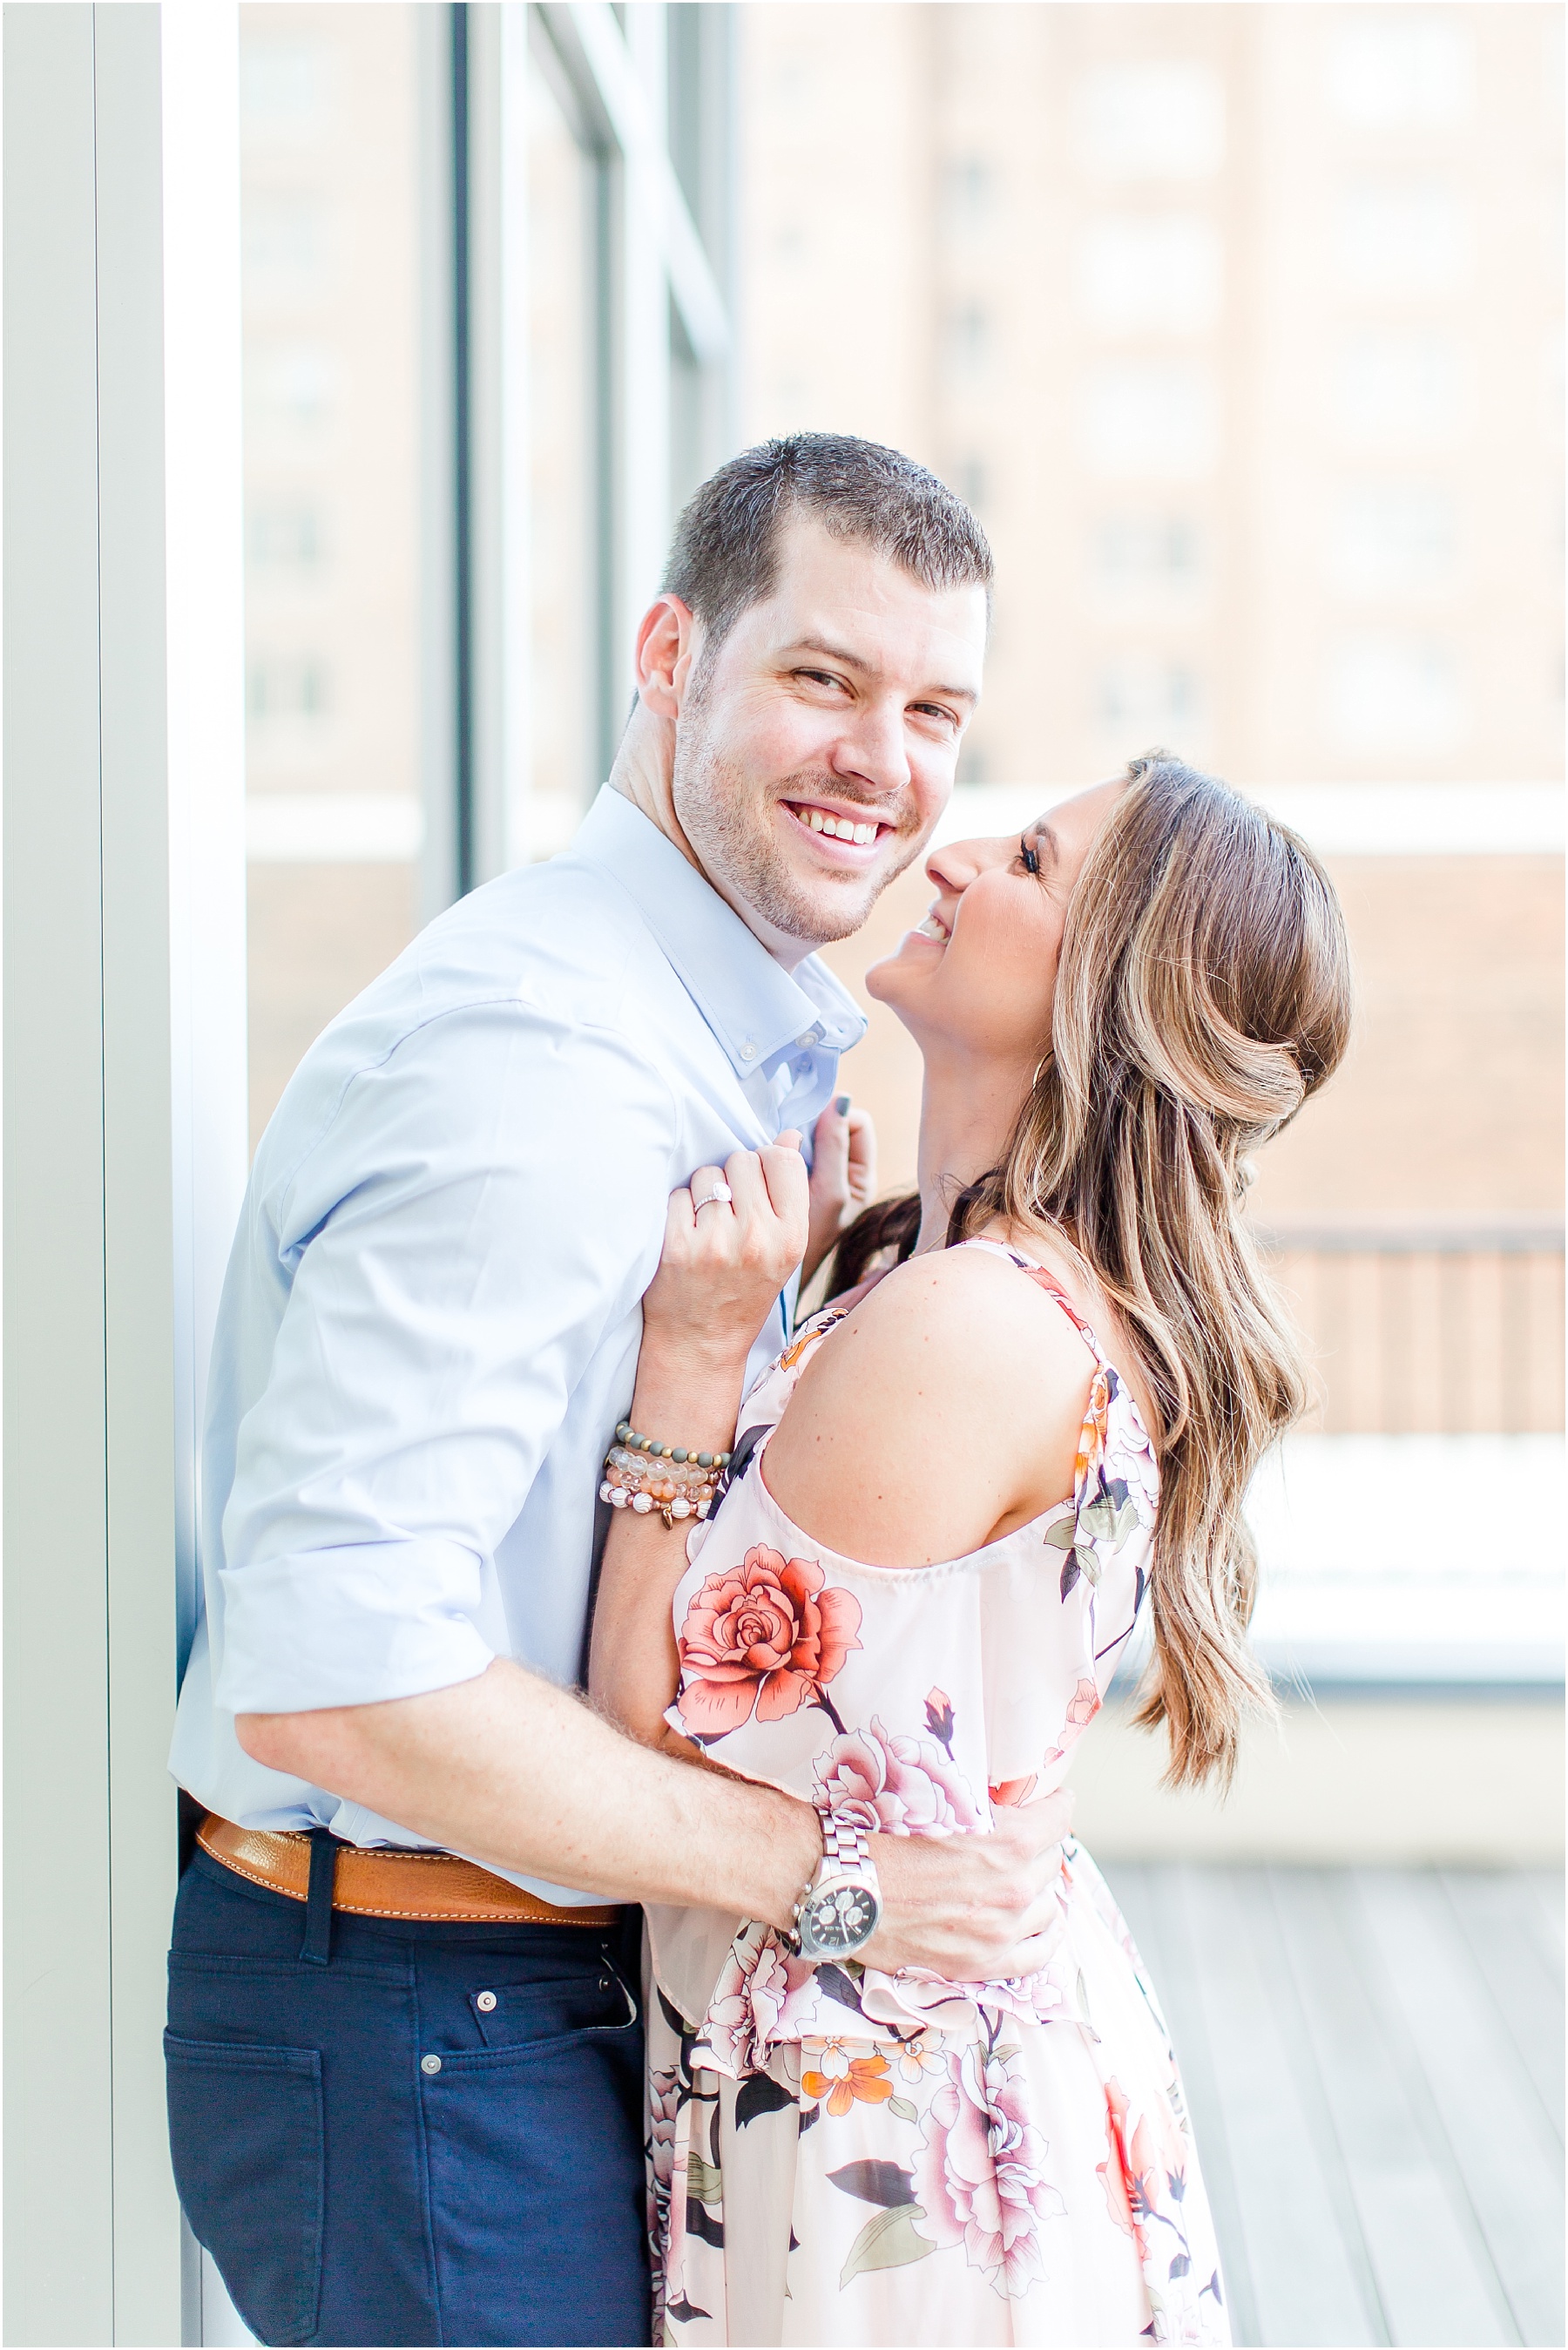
<point x="945" y="1506"/>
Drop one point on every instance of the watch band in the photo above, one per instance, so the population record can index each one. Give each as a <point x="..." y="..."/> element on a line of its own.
<point x="846" y="1833"/>
<point x="845" y="1840"/>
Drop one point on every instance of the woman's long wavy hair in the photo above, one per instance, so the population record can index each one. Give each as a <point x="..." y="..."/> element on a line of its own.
<point x="1204" y="994"/>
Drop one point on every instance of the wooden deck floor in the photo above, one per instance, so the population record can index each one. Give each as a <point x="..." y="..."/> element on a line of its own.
<point x="1373" y="2063"/>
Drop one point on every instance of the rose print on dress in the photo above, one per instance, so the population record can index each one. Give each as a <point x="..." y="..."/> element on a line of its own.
<point x="940" y="1718"/>
<point x="748" y="2001"/>
<point x="1144" y="2178"/>
<point x="1095" y="1431"/>
<point x="664" y="2109"/>
<point x="764" y="1636"/>
<point x="912" y="1785"/>
<point x="1004" y="1792"/>
<point x="980" y="2170"/>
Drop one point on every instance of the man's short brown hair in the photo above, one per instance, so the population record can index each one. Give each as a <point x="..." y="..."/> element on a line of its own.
<point x="725" y="556"/>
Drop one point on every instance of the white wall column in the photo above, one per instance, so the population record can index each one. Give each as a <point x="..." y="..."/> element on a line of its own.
<point x="124" y="1083"/>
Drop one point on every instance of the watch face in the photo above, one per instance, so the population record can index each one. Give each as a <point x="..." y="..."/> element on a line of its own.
<point x="839" y="1917"/>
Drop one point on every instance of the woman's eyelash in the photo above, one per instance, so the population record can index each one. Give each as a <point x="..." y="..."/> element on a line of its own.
<point x="1031" y="858"/>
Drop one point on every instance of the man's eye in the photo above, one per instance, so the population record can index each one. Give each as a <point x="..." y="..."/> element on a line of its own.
<point x="935" y="710"/>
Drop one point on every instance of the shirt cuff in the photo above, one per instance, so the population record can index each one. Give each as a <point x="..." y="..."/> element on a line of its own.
<point x="354" y="1625"/>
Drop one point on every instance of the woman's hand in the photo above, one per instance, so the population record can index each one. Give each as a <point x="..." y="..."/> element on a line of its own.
<point x="843" y="1176"/>
<point x="726" y="1260"/>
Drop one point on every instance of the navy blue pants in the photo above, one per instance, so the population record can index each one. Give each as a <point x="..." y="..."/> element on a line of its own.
<point x="435" y="2136"/>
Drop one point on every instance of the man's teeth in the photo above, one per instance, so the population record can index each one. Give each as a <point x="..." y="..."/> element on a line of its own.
<point x="840" y="827"/>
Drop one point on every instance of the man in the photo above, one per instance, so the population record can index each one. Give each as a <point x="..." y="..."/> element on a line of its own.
<point x="405" y="2090"/>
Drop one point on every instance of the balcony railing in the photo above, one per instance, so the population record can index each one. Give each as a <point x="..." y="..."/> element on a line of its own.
<point x="1450" y="1329"/>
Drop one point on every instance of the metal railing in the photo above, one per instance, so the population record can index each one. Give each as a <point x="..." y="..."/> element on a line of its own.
<point x="1451" y="1328"/>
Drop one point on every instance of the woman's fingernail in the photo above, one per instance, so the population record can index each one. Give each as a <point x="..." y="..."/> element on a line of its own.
<point x="842" y="1105"/>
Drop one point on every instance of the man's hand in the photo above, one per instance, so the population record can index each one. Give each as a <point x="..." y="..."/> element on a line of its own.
<point x="843" y="1176"/>
<point x="975" y="1908"/>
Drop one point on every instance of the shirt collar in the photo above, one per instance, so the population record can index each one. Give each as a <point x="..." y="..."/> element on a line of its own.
<point x="753" y="1006"/>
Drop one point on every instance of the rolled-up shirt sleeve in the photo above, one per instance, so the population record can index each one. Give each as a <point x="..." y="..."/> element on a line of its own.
<point x="480" y="1209"/>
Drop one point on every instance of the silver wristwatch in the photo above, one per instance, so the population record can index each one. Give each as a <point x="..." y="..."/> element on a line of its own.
<point x="839" y="1910"/>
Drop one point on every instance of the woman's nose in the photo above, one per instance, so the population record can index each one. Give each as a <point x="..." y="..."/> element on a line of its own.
<point x="954" y="865"/>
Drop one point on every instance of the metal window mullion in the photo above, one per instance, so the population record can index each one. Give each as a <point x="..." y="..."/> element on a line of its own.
<point x="641" y="349"/>
<point x="514" y="591"/>
<point x="438" y="467"/>
<point x="616" y="86"/>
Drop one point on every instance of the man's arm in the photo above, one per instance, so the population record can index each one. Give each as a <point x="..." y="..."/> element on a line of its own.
<point x="484" y="1207"/>
<point x="521" y="1775"/>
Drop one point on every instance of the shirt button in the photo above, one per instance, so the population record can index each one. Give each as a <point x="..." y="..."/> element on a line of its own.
<point x="812" y="1036"/>
<point x="485" y="2002"/>
<point x="429" y="2064"/>
<point x="748" y="1051"/>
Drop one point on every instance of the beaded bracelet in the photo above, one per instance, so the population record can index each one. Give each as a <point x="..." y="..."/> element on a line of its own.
<point x="673" y="1478"/>
<point x="628" y="1436"/>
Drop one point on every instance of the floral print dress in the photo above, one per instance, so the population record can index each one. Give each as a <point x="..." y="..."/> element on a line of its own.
<point x="841" y="2155"/>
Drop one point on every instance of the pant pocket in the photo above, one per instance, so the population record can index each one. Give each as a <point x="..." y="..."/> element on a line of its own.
<point x="537" y="2191"/>
<point x="246" y="2131"/>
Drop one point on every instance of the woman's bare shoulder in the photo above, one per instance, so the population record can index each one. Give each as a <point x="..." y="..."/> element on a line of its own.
<point x="969" y="1301"/>
<point x="945" y="1407"/>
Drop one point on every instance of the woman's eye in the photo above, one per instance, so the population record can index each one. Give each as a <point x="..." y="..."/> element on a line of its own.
<point x="1031" y="858"/>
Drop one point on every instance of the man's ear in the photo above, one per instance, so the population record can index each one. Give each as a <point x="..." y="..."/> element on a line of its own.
<point x="663" y="656"/>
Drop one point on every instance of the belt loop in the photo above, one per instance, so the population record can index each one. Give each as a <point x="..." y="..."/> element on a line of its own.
<point x="318" y="1946"/>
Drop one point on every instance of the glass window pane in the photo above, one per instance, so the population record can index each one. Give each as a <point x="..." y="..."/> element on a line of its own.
<point x="563" y="432"/>
<point x="330" y="198"/>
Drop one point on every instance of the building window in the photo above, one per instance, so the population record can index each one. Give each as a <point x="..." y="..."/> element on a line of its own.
<point x="284" y="539"/>
<point x="1405" y="389"/>
<point x="1391" y="538"/>
<point x="285" y="86"/>
<point x="291" y="390"/>
<point x="969" y="341"/>
<point x="1403" y="240"/>
<point x="281" y="688"/>
<point x="971" y="478"/>
<point x="1146" y="701"/>
<point x="967" y="193"/>
<point x="1151" y="120"/>
<point x="1401" y="71"/>
<point x="1149" y="554"/>
<point x="1149" y="421"/>
<point x="1158" y="273"/>
<point x="1392" y="697"/>
<point x="285" y="246"/>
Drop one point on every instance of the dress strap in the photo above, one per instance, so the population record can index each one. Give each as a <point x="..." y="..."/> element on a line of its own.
<point x="1048" y="1280"/>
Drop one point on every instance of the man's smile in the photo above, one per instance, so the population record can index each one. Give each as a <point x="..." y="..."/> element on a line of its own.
<point x="847" y="834"/>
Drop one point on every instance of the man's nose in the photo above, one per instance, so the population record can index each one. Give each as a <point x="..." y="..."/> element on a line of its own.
<point x="876" y="751"/>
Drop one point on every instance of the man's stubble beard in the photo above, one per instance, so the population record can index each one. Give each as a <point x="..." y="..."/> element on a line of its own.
<point x="730" y="826"/>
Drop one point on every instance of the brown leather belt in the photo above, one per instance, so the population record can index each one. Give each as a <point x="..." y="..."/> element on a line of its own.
<point x="423" y="1886"/>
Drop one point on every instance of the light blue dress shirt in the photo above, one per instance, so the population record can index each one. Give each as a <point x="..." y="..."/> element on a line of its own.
<point x="431" y="1319"/>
